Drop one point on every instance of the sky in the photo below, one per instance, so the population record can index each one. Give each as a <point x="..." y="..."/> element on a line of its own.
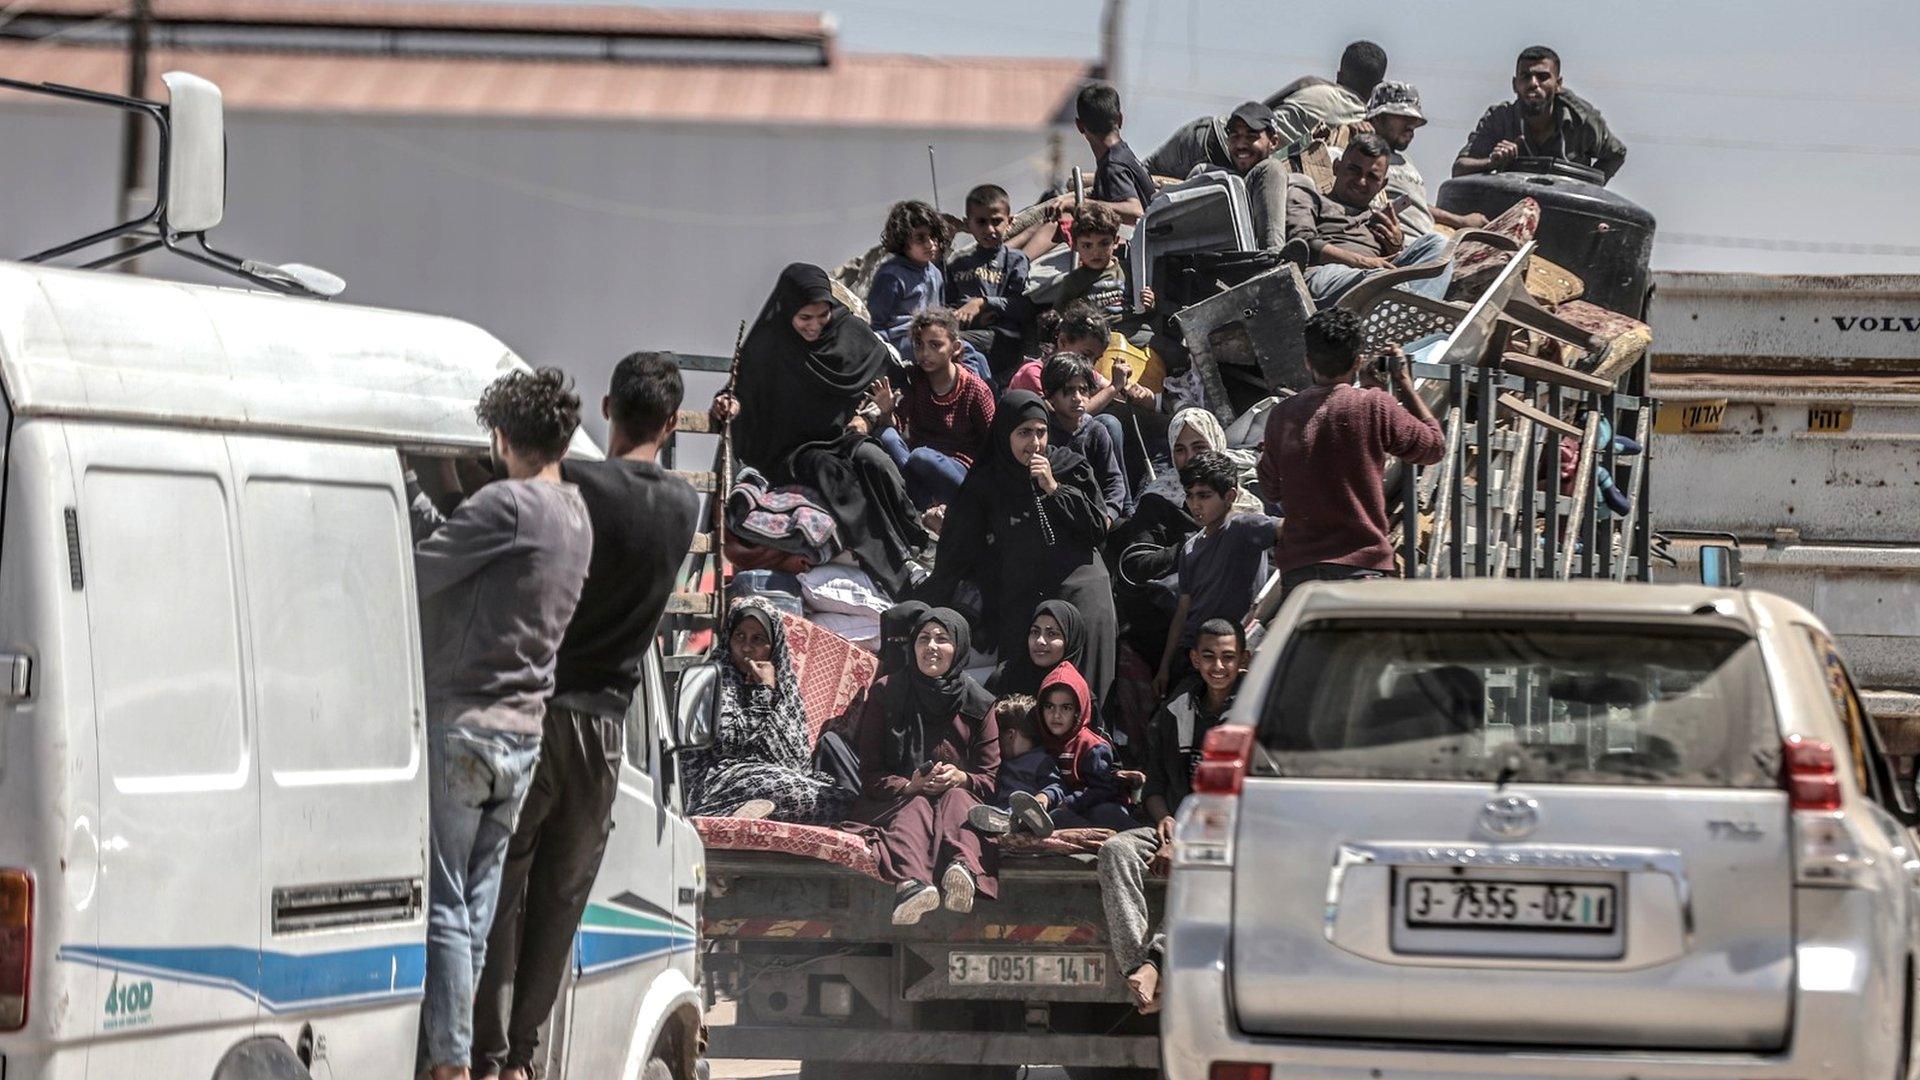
<point x="1763" y="135"/>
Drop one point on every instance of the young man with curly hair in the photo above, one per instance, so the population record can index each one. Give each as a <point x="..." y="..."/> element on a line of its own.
<point x="643" y="520"/>
<point x="910" y="281"/>
<point x="498" y="580"/>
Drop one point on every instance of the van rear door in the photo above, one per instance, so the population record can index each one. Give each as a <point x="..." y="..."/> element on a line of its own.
<point x="178" y="899"/>
<point x="336" y="663"/>
<point x="1520" y="832"/>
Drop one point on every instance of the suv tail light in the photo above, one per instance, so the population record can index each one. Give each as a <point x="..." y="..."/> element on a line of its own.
<point x="1203" y="834"/>
<point x="1813" y="774"/>
<point x="16" y="946"/>
<point x="1825" y="851"/>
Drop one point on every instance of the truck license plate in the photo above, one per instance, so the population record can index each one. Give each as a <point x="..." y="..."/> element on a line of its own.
<point x="1026" y="969"/>
<point x="1519" y="905"/>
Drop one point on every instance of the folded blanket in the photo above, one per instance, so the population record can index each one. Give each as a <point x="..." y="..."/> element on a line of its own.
<point x="786" y="519"/>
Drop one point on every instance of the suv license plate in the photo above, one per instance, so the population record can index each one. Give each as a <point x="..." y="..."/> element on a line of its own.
<point x="1481" y="903"/>
<point x="1026" y="969"/>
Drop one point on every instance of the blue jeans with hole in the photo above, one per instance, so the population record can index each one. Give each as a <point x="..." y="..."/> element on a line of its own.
<point x="1328" y="282"/>
<point x="932" y="477"/>
<point x="476" y="780"/>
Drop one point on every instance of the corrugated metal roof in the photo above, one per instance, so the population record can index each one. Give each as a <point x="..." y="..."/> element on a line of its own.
<point x="859" y="90"/>
<point x="557" y="18"/>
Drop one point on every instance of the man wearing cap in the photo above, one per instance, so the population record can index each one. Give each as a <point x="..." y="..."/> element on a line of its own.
<point x="1393" y="113"/>
<point x="1544" y="120"/>
<point x="1253" y="136"/>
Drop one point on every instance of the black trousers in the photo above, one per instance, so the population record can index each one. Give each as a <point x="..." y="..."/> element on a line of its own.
<point x="555" y="852"/>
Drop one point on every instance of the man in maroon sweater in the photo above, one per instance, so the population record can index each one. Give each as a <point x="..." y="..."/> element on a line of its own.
<point x="1325" y="449"/>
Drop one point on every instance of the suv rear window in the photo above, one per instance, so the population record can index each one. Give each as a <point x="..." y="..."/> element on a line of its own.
<point x="1545" y="702"/>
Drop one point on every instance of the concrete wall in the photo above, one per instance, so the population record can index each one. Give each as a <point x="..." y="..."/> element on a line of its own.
<point x="575" y="242"/>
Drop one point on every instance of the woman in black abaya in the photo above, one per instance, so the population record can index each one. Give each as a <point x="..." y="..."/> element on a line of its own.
<point x="804" y="367"/>
<point x="1032" y="518"/>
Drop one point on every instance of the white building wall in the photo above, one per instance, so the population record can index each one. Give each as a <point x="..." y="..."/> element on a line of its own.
<point x="576" y="242"/>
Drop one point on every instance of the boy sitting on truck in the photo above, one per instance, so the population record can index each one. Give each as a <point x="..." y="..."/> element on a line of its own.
<point x="1067" y="379"/>
<point x="935" y="430"/>
<point x="1174" y="738"/>
<point x="1220" y="565"/>
<point x="911" y="280"/>
<point x="1026" y="769"/>
<point x="983" y="281"/>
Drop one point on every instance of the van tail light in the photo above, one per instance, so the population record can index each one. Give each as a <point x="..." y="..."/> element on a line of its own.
<point x="1203" y="833"/>
<point x="16" y="947"/>
<point x="1239" y="1070"/>
<point x="1826" y="853"/>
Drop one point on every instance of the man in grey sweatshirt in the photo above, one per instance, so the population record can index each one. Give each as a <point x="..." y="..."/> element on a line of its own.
<point x="498" y="582"/>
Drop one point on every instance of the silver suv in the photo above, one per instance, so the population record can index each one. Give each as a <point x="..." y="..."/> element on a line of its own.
<point x="1473" y="829"/>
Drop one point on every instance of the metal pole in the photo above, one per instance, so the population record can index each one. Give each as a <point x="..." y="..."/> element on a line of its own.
<point x="1487" y="377"/>
<point x="1526" y="533"/>
<point x="934" y="171"/>
<point x="1112" y="21"/>
<point x="1456" y="493"/>
<point x="133" y="131"/>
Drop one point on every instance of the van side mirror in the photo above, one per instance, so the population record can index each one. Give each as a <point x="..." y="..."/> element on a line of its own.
<point x="197" y="159"/>
<point x="696" y="704"/>
<point x="1720" y="566"/>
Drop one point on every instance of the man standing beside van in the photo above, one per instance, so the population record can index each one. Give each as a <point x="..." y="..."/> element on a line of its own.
<point x="643" y="522"/>
<point x="498" y="581"/>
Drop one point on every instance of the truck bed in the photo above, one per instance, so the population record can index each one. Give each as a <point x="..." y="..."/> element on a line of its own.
<point x="784" y="932"/>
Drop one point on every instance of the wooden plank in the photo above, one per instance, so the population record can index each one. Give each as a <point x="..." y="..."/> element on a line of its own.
<point x="1512" y="405"/>
<point x="1532" y="367"/>
<point x="695" y="422"/>
<point x="702" y="544"/>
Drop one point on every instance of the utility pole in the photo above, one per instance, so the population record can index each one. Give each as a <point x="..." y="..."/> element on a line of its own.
<point x="133" y="137"/>
<point x="1113" y="18"/>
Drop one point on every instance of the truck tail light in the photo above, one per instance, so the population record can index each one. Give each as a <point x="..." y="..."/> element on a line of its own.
<point x="1203" y="834"/>
<point x="1239" y="1070"/>
<point x="1826" y="853"/>
<point x="16" y="947"/>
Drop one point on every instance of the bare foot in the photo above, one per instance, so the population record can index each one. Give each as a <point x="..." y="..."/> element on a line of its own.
<point x="1144" y="986"/>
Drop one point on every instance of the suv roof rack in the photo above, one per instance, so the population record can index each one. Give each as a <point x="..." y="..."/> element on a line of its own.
<point x="190" y="191"/>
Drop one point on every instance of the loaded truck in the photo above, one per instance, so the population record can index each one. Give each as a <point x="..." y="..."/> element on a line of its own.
<point x="797" y="924"/>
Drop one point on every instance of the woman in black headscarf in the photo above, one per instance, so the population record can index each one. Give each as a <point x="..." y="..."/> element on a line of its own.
<point x="804" y="367"/>
<point x="1057" y="635"/>
<point x="1031" y="518"/>
<point x="929" y="753"/>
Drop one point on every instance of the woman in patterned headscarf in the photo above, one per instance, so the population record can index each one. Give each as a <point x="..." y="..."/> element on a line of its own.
<point x="759" y="761"/>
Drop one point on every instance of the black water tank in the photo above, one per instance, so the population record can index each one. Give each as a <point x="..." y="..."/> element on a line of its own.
<point x="1604" y="238"/>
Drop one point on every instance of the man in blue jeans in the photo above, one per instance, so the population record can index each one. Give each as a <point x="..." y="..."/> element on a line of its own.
<point x="1348" y="237"/>
<point x="498" y="582"/>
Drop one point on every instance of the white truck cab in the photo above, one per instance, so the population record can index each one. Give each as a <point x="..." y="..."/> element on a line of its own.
<point x="213" y="796"/>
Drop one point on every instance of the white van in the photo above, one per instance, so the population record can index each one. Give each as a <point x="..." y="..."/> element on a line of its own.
<point x="213" y="796"/>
